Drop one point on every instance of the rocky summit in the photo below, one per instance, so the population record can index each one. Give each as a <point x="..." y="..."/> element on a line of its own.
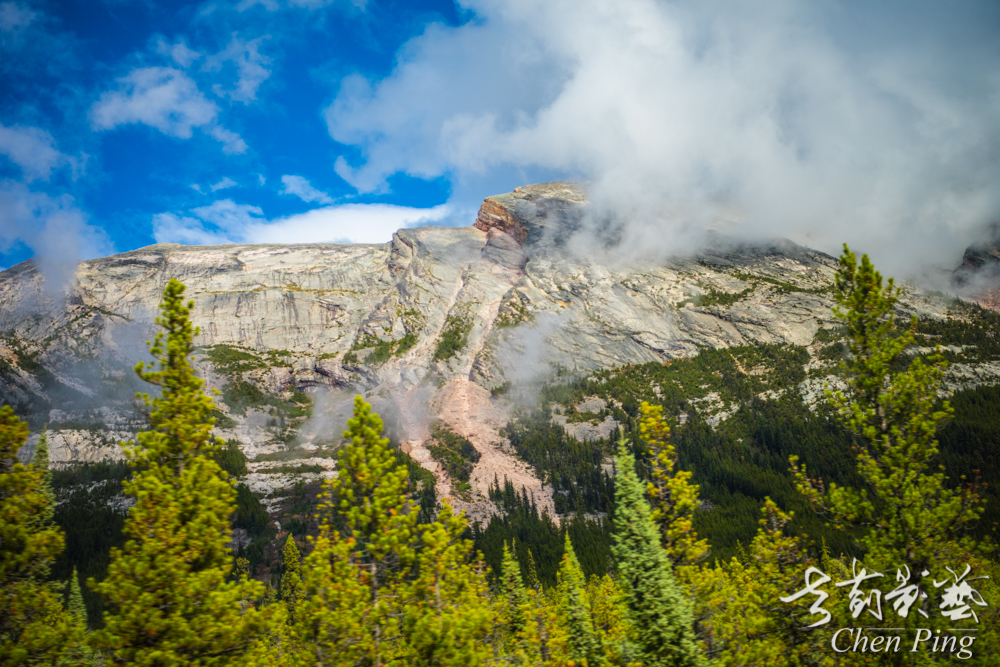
<point x="434" y="328"/>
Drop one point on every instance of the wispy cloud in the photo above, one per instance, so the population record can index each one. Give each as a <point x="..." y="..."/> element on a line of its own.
<point x="14" y="16"/>
<point x="250" y="68"/>
<point x="164" y="98"/>
<point x="301" y="188"/>
<point x="226" y="182"/>
<point x="53" y="227"/>
<point x="225" y="221"/>
<point x="34" y="151"/>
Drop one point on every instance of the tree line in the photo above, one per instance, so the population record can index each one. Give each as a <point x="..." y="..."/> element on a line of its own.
<point x="390" y="581"/>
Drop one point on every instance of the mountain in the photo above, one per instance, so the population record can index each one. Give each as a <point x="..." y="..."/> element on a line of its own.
<point x="448" y="331"/>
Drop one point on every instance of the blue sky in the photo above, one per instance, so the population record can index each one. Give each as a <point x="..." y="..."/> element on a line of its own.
<point x="127" y="122"/>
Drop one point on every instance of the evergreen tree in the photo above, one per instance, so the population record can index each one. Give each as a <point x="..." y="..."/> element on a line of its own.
<point x="80" y="653"/>
<point x="291" y="579"/>
<point x="747" y="624"/>
<point x="513" y="597"/>
<point x="583" y="647"/>
<point x="672" y="496"/>
<point x="33" y="625"/>
<point x="447" y="611"/>
<point x="168" y="588"/>
<point x="909" y="516"/>
<point x="659" y="611"/>
<point x="41" y="463"/>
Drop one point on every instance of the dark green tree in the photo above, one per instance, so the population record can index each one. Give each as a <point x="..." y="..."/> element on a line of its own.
<point x="583" y="646"/>
<point x="660" y="612"/>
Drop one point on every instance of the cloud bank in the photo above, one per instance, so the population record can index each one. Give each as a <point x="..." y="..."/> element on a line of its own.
<point x="225" y="221"/>
<point x="872" y="123"/>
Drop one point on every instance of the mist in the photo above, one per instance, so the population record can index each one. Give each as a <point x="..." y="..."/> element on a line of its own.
<point x="876" y="124"/>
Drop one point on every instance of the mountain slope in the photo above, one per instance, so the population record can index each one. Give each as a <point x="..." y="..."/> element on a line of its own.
<point x="434" y="325"/>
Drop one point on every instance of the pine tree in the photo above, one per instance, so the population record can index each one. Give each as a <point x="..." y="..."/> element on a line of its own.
<point x="513" y="597"/>
<point x="366" y="547"/>
<point x="447" y="612"/>
<point x="40" y="462"/>
<point x="659" y="611"/>
<point x="80" y="653"/>
<point x="909" y="515"/>
<point x="168" y="591"/>
<point x="672" y="496"/>
<point x="33" y="626"/>
<point x="291" y="580"/>
<point x="582" y="645"/>
<point x="747" y="622"/>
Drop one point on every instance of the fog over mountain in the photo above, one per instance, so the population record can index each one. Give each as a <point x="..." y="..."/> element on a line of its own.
<point x="826" y="122"/>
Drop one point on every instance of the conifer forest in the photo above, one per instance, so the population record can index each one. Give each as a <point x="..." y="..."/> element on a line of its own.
<point x="785" y="535"/>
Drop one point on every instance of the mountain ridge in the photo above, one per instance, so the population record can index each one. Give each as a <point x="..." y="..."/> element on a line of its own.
<point x="433" y="325"/>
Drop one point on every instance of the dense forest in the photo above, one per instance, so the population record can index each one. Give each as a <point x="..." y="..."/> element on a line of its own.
<point x="687" y="540"/>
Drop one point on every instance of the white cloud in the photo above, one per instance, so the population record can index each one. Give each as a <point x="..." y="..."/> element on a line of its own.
<point x="800" y="121"/>
<point x="15" y="16"/>
<point x="250" y="68"/>
<point x="53" y="227"/>
<point x="260" y="179"/>
<point x="225" y="221"/>
<point x="34" y="151"/>
<point x="226" y="182"/>
<point x="182" y="55"/>
<point x="301" y="188"/>
<point x="164" y="98"/>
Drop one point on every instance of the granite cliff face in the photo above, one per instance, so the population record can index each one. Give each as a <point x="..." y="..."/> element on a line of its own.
<point x="425" y="326"/>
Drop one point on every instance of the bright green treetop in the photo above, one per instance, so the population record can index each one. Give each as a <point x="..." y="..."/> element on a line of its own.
<point x="660" y="612"/>
<point x="291" y="580"/>
<point x="33" y="626"/>
<point x="583" y="646"/>
<point x="446" y="610"/>
<point x="168" y="591"/>
<point x="908" y="513"/>
<point x="673" y="497"/>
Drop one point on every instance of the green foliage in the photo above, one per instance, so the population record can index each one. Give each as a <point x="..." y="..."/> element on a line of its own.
<point x="381" y="350"/>
<point x="232" y="359"/>
<point x="242" y="394"/>
<point x="378" y="586"/>
<point x="716" y="298"/>
<point x="168" y="591"/>
<point x="92" y="516"/>
<point x="968" y="444"/>
<point x="454" y="337"/>
<point x="970" y="326"/>
<point x="582" y="644"/>
<point x="905" y="510"/>
<point x="350" y="359"/>
<point x="660" y="611"/>
<point x="33" y="627"/>
<point x="672" y="496"/>
<point x="291" y="578"/>
<point x="231" y="459"/>
<point x="456" y="455"/>
<point x="573" y="468"/>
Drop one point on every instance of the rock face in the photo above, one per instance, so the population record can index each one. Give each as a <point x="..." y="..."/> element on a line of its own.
<point x="979" y="271"/>
<point x="332" y="320"/>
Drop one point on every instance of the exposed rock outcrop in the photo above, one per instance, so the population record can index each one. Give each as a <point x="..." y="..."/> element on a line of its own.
<point x="334" y="319"/>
